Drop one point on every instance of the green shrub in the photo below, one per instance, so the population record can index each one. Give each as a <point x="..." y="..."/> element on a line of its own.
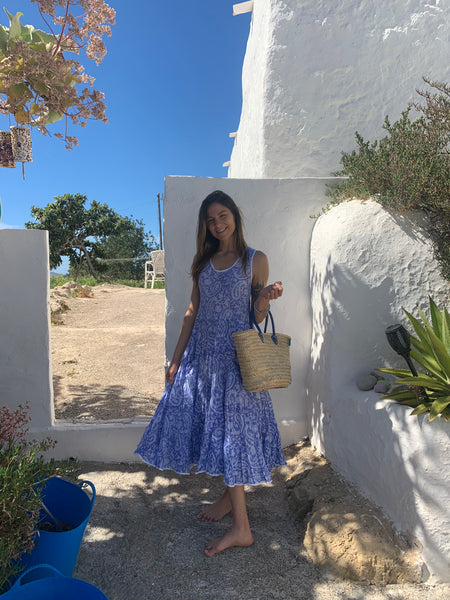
<point x="22" y="468"/>
<point x="58" y="279"/>
<point x="408" y="169"/>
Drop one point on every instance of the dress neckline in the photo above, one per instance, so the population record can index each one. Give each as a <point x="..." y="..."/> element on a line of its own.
<point x="223" y="270"/>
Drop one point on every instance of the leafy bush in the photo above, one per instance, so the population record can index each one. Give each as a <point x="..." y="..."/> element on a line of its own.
<point x="22" y="468"/>
<point x="431" y="350"/>
<point x="58" y="279"/>
<point x="408" y="169"/>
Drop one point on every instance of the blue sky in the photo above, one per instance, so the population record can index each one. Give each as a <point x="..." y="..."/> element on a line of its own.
<point x="172" y="80"/>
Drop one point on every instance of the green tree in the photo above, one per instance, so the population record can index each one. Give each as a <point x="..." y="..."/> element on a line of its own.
<point x="128" y="242"/>
<point x="87" y="235"/>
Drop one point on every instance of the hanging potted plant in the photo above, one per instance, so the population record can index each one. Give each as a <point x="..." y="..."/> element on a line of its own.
<point x="31" y="487"/>
<point x="39" y="83"/>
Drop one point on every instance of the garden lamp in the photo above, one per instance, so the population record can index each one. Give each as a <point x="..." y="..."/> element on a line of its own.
<point x="398" y="339"/>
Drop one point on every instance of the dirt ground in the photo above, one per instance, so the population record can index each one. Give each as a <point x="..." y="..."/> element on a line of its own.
<point x="108" y="354"/>
<point x="108" y="363"/>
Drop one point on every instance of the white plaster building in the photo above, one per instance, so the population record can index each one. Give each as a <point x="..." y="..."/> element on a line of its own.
<point x="316" y="71"/>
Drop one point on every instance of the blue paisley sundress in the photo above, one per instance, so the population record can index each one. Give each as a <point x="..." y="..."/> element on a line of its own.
<point x="206" y="418"/>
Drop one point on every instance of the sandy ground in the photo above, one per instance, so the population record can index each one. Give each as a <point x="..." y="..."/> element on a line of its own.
<point x="143" y="540"/>
<point x="108" y="354"/>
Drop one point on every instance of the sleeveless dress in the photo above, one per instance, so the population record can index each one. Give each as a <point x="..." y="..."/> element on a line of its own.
<point x="206" y="418"/>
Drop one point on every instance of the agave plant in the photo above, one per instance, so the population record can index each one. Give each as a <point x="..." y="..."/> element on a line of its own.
<point x="429" y="392"/>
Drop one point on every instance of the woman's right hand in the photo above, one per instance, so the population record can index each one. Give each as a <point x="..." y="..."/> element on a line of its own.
<point x="171" y="372"/>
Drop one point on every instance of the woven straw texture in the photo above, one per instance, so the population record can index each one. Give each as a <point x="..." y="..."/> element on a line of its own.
<point x="264" y="366"/>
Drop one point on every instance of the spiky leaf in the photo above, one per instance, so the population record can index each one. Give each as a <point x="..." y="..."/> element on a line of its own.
<point x="446" y="330"/>
<point x="438" y="406"/>
<point x="440" y="351"/>
<point x="418" y="327"/>
<point x="421" y="409"/>
<point x="428" y="362"/>
<point x="436" y="317"/>
<point x="426" y="381"/>
<point x="396" y="372"/>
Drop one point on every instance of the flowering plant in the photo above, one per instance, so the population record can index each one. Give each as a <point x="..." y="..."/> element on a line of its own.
<point x="39" y="85"/>
<point x="22" y="469"/>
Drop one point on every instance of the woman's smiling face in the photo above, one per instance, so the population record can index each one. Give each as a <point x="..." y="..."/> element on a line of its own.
<point x="220" y="221"/>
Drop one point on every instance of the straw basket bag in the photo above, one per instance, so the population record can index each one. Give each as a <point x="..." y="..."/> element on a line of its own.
<point x="263" y="357"/>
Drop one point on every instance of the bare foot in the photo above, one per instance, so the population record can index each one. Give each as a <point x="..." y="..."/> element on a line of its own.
<point x="216" y="512"/>
<point x="230" y="539"/>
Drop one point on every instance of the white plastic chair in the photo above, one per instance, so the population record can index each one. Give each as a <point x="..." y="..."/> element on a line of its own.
<point x="154" y="268"/>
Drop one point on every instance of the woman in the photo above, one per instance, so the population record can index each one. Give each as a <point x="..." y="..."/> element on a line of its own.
<point x="206" y="418"/>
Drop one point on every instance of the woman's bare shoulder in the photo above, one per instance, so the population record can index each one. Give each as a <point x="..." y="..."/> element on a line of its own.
<point x="259" y="256"/>
<point x="260" y="266"/>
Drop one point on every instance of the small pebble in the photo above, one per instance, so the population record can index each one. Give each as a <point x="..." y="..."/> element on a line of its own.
<point x="367" y="382"/>
<point x="380" y="388"/>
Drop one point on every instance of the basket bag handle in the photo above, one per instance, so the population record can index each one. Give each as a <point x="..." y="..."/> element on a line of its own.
<point x="254" y="322"/>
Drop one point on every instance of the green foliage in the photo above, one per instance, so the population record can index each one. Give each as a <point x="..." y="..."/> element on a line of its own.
<point x="22" y="468"/>
<point x="431" y="350"/>
<point x="56" y="280"/>
<point x="88" y="235"/>
<point x="118" y="250"/>
<point x="38" y="84"/>
<point x="408" y="169"/>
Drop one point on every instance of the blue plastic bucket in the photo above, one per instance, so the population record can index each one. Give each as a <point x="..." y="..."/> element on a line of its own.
<point x="44" y="582"/>
<point x="71" y="505"/>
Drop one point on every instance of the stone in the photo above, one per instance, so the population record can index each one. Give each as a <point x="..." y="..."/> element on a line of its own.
<point x="361" y="546"/>
<point x="380" y="388"/>
<point x="367" y="382"/>
<point x="345" y="533"/>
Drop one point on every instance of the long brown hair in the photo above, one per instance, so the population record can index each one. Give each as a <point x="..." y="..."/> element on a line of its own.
<point x="207" y="244"/>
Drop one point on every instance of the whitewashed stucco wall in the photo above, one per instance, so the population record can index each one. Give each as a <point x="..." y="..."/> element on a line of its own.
<point x="316" y="71"/>
<point x="365" y="265"/>
<point x="25" y="368"/>
<point x="277" y="221"/>
<point x="357" y="288"/>
<point x="25" y="355"/>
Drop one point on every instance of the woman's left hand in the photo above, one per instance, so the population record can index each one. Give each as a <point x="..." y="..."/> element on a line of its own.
<point x="272" y="291"/>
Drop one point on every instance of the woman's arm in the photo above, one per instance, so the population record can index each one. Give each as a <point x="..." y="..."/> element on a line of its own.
<point x="262" y="293"/>
<point x="185" y="334"/>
